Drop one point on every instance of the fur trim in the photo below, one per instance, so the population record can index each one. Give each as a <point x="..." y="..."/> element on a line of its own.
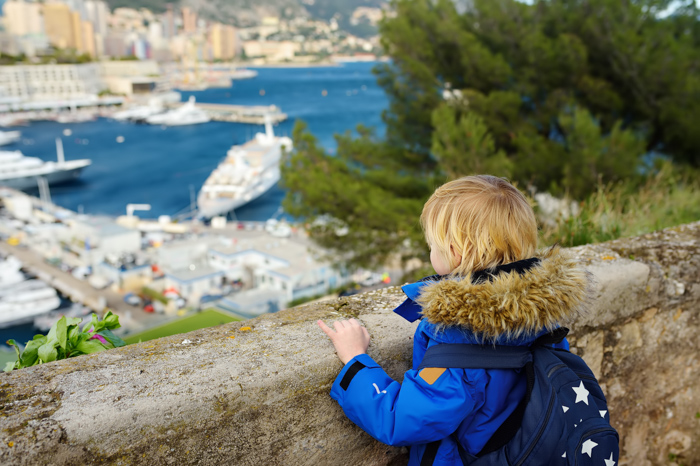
<point x="511" y="305"/>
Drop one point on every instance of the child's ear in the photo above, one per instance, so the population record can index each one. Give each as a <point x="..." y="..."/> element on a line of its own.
<point x="456" y="257"/>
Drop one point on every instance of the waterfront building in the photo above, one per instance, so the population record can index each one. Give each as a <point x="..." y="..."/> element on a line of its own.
<point x="98" y="15"/>
<point x="177" y="255"/>
<point x="115" y="44"/>
<point x="195" y="281"/>
<point x="169" y="21"/>
<point x="23" y="18"/>
<point x="99" y="237"/>
<point x="88" y="36"/>
<point x="128" y="278"/>
<point x="269" y="25"/>
<point x="124" y="68"/>
<point x="279" y="270"/>
<point x="189" y="20"/>
<point x="50" y="82"/>
<point x="222" y="39"/>
<point x="317" y="46"/>
<point x="272" y="51"/>
<point x="63" y="26"/>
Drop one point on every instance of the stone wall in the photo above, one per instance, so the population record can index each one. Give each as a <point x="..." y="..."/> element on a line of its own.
<point x="256" y="392"/>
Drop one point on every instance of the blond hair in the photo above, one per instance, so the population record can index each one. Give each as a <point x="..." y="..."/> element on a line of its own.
<point x="482" y="219"/>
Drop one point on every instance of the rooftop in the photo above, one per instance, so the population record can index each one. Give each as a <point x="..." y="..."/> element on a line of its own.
<point x="297" y="251"/>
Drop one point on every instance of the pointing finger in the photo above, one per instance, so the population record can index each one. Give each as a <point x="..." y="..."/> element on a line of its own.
<point x="325" y="328"/>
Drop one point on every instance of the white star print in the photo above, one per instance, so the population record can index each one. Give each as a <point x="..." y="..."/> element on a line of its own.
<point x="377" y="388"/>
<point x="581" y="393"/>
<point x="564" y="456"/>
<point x="565" y="408"/>
<point x="588" y="447"/>
<point x="610" y="462"/>
<point x="603" y="413"/>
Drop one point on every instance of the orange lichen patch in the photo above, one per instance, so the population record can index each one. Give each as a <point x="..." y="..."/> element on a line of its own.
<point x="232" y="337"/>
<point x="609" y="258"/>
<point x="245" y="329"/>
<point x="10" y="444"/>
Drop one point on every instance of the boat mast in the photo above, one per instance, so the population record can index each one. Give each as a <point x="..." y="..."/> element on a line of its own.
<point x="268" y="127"/>
<point x="59" y="151"/>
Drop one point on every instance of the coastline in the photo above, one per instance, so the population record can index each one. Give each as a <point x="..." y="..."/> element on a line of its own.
<point x="334" y="62"/>
<point x="329" y="64"/>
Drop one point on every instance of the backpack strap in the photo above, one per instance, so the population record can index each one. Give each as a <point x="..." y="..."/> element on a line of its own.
<point x="467" y="356"/>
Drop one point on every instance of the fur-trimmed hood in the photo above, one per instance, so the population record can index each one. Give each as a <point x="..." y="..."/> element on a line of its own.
<point x="511" y="305"/>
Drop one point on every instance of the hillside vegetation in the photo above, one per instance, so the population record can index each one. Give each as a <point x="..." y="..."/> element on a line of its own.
<point x="582" y="99"/>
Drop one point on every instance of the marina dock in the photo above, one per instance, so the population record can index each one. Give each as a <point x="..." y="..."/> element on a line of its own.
<point x="253" y="114"/>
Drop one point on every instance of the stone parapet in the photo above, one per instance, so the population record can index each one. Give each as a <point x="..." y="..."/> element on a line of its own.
<point x="233" y="395"/>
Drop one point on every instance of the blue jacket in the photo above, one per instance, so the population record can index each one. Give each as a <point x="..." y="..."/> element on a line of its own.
<point x="531" y="297"/>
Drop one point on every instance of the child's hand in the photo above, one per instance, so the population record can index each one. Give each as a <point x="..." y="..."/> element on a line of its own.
<point x="349" y="338"/>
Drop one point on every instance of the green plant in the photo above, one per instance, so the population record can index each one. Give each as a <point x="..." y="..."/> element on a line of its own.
<point x="66" y="340"/>
<point x="153" y="295"/>
<point x="669" y="197"/>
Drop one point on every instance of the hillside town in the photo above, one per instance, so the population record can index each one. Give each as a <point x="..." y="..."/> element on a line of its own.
<point x="88" y="29"/>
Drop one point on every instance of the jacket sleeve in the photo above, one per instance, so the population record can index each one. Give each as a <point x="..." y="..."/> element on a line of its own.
<point x="428" y="406"/>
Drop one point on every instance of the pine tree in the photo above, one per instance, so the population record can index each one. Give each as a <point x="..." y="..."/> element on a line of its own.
<point x="558" y="95"/>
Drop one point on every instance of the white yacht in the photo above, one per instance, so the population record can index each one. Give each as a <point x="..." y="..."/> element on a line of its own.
<point x="138" y="113"/>
<point x="187" y="114"/>
<point x="10" y="274"/>
<point x="8" y="137"/>
<point x="247" y="172"/>
<point x="21" y="300"/>
<point x="23" y="306"/>
<point x="21" y="172"/>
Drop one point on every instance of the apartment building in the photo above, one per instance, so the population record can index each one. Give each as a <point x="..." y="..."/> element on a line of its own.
<point x="50" y="82"/>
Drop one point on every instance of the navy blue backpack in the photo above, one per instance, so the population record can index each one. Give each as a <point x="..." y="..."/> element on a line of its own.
<point x="563" y="419"/>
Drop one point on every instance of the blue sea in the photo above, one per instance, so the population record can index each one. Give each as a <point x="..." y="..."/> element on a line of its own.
<point x="164" y="167"/>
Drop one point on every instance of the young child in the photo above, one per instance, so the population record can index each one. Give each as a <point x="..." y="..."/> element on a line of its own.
<point x="491" y="288"/>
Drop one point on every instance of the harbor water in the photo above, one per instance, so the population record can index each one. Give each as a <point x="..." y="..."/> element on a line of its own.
<point x="166" y="166"/>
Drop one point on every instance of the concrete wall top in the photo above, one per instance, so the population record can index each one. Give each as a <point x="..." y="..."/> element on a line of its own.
<point x="256" y="392"/>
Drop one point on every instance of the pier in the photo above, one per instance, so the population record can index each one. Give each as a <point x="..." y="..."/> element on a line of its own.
<point x="253" y="114"/>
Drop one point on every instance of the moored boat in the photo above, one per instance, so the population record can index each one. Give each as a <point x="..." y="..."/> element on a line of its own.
<point x="247" y="172"/>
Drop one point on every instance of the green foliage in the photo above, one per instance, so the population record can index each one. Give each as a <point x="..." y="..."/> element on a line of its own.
<point x="66" y="340"/>
<point x="205" y="319"/>
<point x="359" y="211"/>
<point x="665" y="199"/>
<point x="64" y="56"/>
<point x="464" y="145"/>
<point x="153" y="295"/>
<point x="7" y="59"/>
<point x="590" y="157"/>
<point x="559" y="96"/>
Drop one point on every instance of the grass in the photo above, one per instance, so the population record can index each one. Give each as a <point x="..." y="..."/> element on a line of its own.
<point x="664" y="200"/>
<point x="207" y="318"/>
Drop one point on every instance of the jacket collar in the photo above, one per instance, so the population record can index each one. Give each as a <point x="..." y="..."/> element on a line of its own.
<point x="511" y="301"/>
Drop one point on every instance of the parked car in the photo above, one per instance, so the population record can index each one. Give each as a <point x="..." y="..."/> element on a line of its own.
<point x="132" y="299"/>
